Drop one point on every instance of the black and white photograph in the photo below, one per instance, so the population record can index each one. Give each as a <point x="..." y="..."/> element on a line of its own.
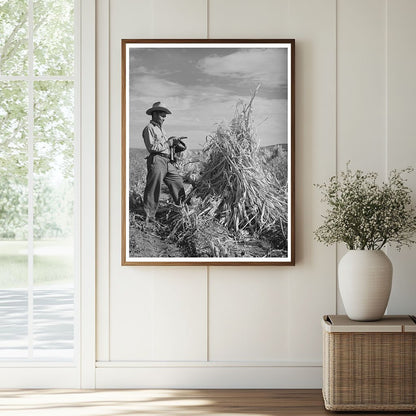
<point x="208" y="152"/>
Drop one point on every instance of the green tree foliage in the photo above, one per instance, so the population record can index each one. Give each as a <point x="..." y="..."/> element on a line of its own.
<point x="54" y="127"/>
<point x="53" y="208"/>
<point x="53" y="118"/>
<point x="13" y="208"/>
<point x="13" y="159"/>
<point x="13" y="37"/>
<point x="13" y="129"/>
<point x="53" y="37"/>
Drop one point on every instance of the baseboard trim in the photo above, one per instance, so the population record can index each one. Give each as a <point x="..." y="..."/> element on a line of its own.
<point x="210" y="377"/>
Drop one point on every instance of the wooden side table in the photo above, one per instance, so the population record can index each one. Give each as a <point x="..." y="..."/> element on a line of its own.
<point x="369" y="366"/>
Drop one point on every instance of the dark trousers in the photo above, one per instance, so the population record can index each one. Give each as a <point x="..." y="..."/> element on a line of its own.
<point x="159" y="169"/>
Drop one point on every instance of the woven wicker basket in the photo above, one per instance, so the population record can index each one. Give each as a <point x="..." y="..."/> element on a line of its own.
<point x="369" y="366"/>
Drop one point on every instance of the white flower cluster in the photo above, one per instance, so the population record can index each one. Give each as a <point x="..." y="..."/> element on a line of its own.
<point x="365" y="215"/>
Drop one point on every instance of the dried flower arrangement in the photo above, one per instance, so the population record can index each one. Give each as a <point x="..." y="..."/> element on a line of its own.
<point x="366" y="215"/>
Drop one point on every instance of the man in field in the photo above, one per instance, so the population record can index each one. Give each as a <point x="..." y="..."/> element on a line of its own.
<point x="160" y="162"/>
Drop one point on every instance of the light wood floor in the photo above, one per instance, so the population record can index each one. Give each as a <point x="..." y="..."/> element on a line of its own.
<point x="165" y="402"/>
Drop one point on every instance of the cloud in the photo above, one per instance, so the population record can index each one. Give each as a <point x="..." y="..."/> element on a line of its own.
<point x="151" y="86"/>
<point x="268" y="66"/>
<point x="147" y="89"/>
<point x="197" y="109"/>
<point x="142" y="70"/>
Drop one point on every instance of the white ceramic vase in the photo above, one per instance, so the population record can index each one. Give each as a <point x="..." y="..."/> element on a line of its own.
<point x="364" y="278"/>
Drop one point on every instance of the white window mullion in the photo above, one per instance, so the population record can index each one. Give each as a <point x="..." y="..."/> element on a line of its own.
<point x="30" y="179"/>
<point x="77" y="187"/>
<point x="87" y="202"/>
<point x="30" y="225"/>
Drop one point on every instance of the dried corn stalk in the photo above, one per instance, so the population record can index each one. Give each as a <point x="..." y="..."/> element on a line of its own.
<point x="232" y="171"/>
<point x="234" y="196"/>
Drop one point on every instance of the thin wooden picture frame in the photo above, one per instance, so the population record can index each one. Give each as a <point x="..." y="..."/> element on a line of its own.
<point x="231" y="102"/>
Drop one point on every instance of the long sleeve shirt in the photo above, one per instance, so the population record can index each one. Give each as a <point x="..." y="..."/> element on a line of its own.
<point x="155" y="139"/>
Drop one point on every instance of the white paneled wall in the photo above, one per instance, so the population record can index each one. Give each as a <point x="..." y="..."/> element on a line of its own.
<point x="361" y="84"/>
<point x="254" y="326"/>
<point x="401" y="132"/>
<point x="248" y="19"/>
<point x="361" y="88"/>
<point x="164" y="315"/>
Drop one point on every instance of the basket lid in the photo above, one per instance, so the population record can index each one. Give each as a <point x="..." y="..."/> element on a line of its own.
<point x="390" y="323"/>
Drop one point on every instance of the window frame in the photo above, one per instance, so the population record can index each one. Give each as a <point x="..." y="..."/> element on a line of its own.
<point x="81" y="371"/>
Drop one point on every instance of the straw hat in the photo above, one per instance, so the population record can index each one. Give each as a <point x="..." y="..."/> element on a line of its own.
<point x="157" y="106"/>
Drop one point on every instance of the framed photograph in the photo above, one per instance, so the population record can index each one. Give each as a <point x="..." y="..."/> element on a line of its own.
<point x="208" y="157"/>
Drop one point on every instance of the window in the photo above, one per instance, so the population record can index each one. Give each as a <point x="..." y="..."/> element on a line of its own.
<point x="38" y="184"/>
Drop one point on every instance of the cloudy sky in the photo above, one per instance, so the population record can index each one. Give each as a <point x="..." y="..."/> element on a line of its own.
<point x="201" y="87"/>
